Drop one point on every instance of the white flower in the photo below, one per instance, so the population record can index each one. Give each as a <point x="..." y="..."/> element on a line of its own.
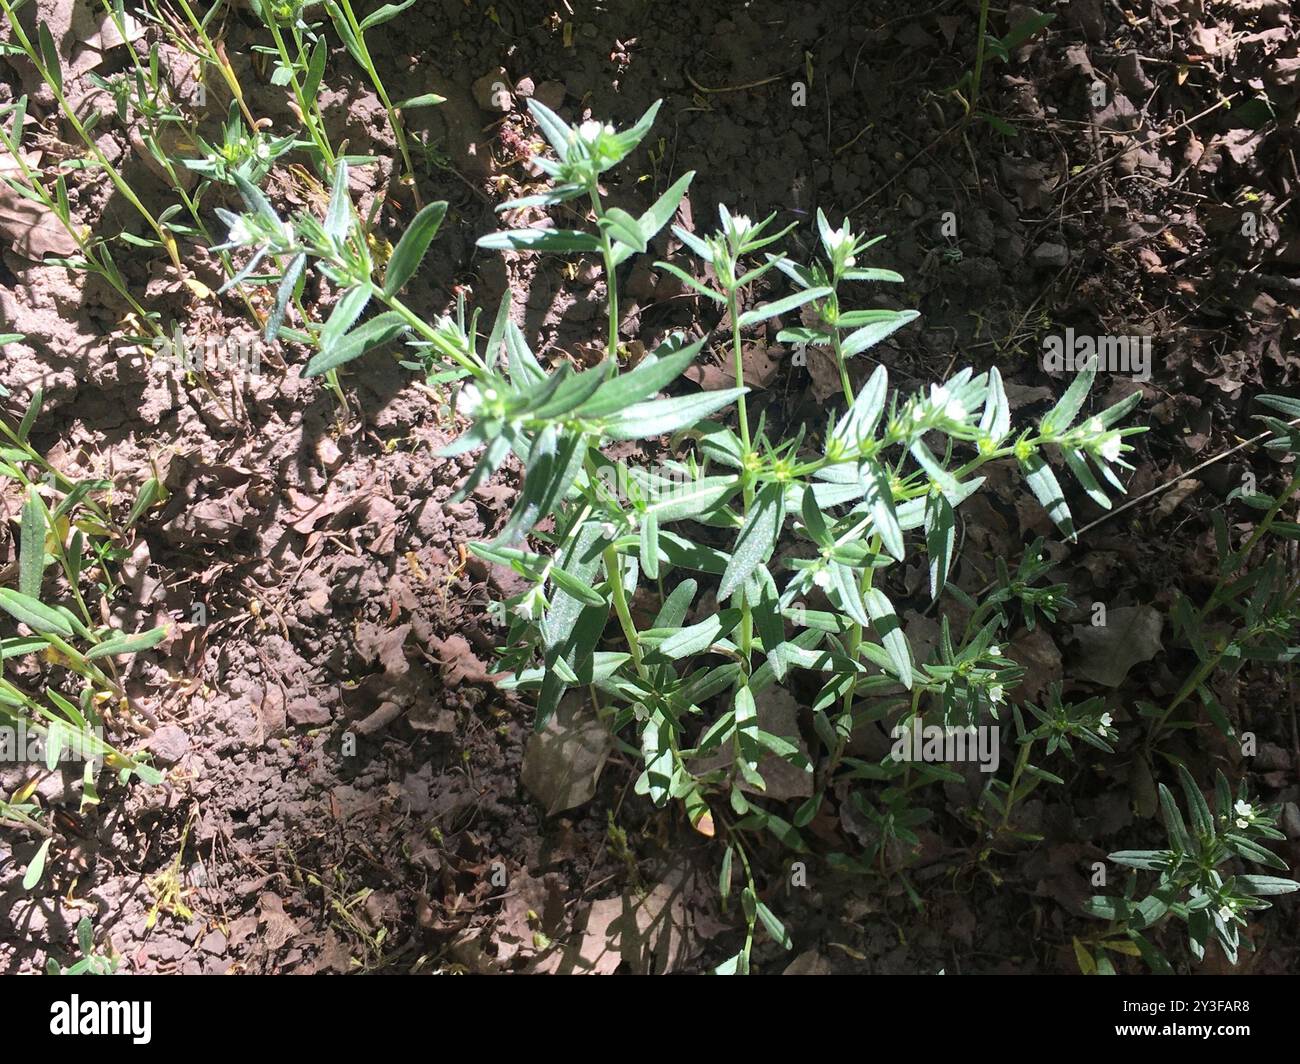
<point x="1110" y="445"/>
<point x="822" y="578"/>
<point x="740" y="225"/>
<point x="240" y="233"/>
<point x="1094" y="426"/>
<point x="532" y="604"/>
<point x="469" y="400"/>
<point x="995" y="651"/>
<point x="995" y="693"/>
<point x="590" y="131"/>
<point x="1225" y="913"/>
<point x="1104" y="723"/>
<point x="1243" y="808"/>
<point x="839" y="238"/>
<point x="943" y="400"/>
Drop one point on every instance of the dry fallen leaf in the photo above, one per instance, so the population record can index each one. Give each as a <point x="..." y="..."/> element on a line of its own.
<point x="1131" y="635"/>
<point x="563" y="761"/>
<point x="32" y="229"/>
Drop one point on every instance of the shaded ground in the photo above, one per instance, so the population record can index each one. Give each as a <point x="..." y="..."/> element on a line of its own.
<point x="1149" y="193"/>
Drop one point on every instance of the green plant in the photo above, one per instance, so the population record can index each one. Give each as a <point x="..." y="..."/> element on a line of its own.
<point x="874" y="477"/>
<point x="1190" y="885"/>
<point x="1252" y="613"/>
<point x="91" y="962"/>
<point x="971" y="82"/>
<point x="701" y="537"/>
<point x="62" y="643"/>
<point x="353" y="34"/>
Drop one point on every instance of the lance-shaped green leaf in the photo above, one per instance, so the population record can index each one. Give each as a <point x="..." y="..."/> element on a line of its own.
<point x="1062" y="415"/>
<point x="1202" y="820"/>
<point x="858" y="423"/>
<point x="524" y="367"/>
<point x="384" y="14"/>
<point x="29" y="416"/>
<point x="656" y="371"/>
<point x="677" y="502"/>
<point x="1174" y="826"/>
<point x="554" y="461"/>
<point x="694" y="639"/>
<point x="379" y="330"/>
<point x="1047" y="490"/>
<point x="657" y="753"/>
<point x="540" y="240"/>
<point x="315" y="69"/>
<point x="885" y="621"/>
<point x="35" y="614"/>
<point x="50" y="56"/>
<point x="782" y="306"/>
<point x="581" y="560"/>
<point x="690" y="281"/>
<point x="658" y="417"/>
<point x="870" y="335"/>
<point x="338" y="215"/>
<point x="344" y="315"/>
<point x="410" y="250"/>
<point x="569" y="583"/>
<point x="31" y="550"/>
<point x="284" y="293"/>
<point x="756" y="539"/>
<point x="681" y="553"/>
<point x="36" y="867"/>
<point x="880" y="498"/>
<point x="996" y="419"/>
<point x="846" y="583"/>
<point x="676" y="605"/>
<point x="769" y="623"/>
<point x="571" y="391"/>
<point x="1260" y="886"/>
<point x="659" y="214"/>
<point x="940" y="539"/>
<point x="553" y="127"/>
<point x="649" y="531"/>
<point x="1077" y="465"/>
<point x="129" y="644"/>
<point x="623" y="228"/>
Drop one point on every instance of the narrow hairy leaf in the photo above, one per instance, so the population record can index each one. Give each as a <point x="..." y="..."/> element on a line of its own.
<point x="885" y="621"/>
<point x="756" y="539"/>
<point x="644" y="420"/>
<point x="31" y="551"/>
<point x="410" y="250"/>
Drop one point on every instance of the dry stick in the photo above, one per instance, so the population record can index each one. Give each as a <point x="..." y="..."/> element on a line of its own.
<point x="1149" y="141"/>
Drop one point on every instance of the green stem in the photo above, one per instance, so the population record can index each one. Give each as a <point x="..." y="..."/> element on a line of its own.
<point x="611" y="281"/>
<point x="613" y="568"/>
<point x="306" y="108"/>
<point x="394" y="119"/>
<point x="1208" y="666"/>
<point x="70" y="116"/>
